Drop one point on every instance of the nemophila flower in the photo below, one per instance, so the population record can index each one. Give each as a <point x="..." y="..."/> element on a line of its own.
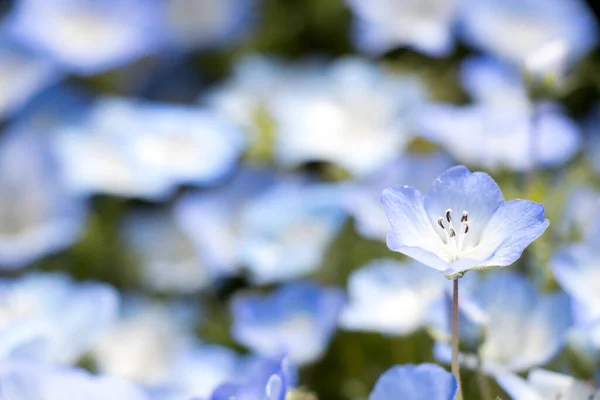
<point x="193" y="24"/>
<point x="286" y="230"/>
<point x="513" y="30"/>
<point x="415" y="382"/>
<point x="142" y="149"/>
<point x="581" y="212"/>
<point x="211" y="218"/>
<point x="362" y="199"/>
<point x="22" y="76"/>
<point x="38" y="214"/>
<point x="502" y="128"/>
<point x="51" y="318"/>
<point x="390" y="297"/>
<point x="27" y="381"/>
<point x="543" y="385"/>
<point x="143" y="345"/>
<point x="352" y="113"/>
<point x="463" y="223"/>
<point x="168" y="260"/>
<point x="297" y="319"/>
<point x="88" y="37"/>
<point x="523" y="328"/>
<point x="592" y="127"/>
<point x="425" y="26"/>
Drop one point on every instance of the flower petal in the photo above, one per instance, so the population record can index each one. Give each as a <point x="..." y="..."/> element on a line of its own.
<point x="415" y="382"/>
<point x="510" y="230"/>
<point x="516" y="386"/>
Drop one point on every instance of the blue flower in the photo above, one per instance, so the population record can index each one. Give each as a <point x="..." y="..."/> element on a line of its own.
<point x="297" y="319"/>
<point x="502" y="129"/>
<point x="207" y="23"/>
<point x="383" y="25"/>
<point x="592" y="125"/>
<point x="26" y="381"/>
<point x="390" y="297"/>
<point x="38" y="214"/>
<point x="415" y="382"/>
<point x="543" y="385"/>
<point x="285" y="232"/>
<point x="513" y="30"/>
<point x="88" y="37"/>
<point x="581" y="212"/>
<point x="52" y="319"/>
<point x="363" y="202"/>
<point x="463" y="223"/>
<point x="523" y="328"/>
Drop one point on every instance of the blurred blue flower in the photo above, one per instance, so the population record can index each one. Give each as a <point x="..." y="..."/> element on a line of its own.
<point x="38" y="215"/>
<point x="168" y="261"/>
<point x="53" y="319"/>
<point x="463" y="223"/>
<point x="592" y="125"/>
<point x="88" y="37"/>
<point x="425" y="26"/>
<point x="285" y="231"/>
<point x="391" y="297"/>
<point x="363" y="201"/>
<point x="523" y="329"/>
<point x="502" y="129"/>
<point x="193" y="24"/>
<point x="142" y="149"/>
<point x="415" y="382"/>
<point x="352" y="113"/>
<point x="512" y="30"/>
<point x="26" y="381"/>
<point x="297" y="319"/>
<point x="581" y="211"/>
<point x="211" y="218"/>
<point x="543" y="385"/>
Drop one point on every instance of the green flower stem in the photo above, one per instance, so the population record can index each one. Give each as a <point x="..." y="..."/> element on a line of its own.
<point x="455" y="364"/>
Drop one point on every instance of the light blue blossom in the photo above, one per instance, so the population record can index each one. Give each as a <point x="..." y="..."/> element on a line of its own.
<point x="141" y="149"/>
<point x="502" y="128"/>
<point x="88" y="37"/>
<point x="193" y="24"/>
<point x="543" y="384"/>
<point x="168" y="260"/>
<point x="391" y="297"/>
<point x="26" y="381"/>
<point x="463" y="223"/>
<point x="285" y="231"/>
<point x="38" y="214"/>
<point x="513" y="30"/>
<point x="425" y="26"/>
<point x="592" y="127"/>
<point x="53" y="319"/>
<point x="363" y="202"/>
<point x="297" y="319"/>
<point x="523" y="328"/>
<point x="211" y="219"/>
<point x="415" y="382"/>
<point x="581" y="211"/>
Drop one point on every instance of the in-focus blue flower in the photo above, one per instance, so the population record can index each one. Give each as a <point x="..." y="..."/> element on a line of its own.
<point x="142" y="149"/>
<point x="168" y="260"/>
<point x="463" y="223"/>
<point x="503" y="128"/>
<point x="544" y="385"/>
<point x="193" y="24"/>
<point x="285" y="231"/>
<point x="513" y="29"/>
<point x="88" y="37"/>
<point x="211" y="219"/>
<point x="415" y="382"/>
<point x="27" y="381"/>
<point x="425" y="26"/>
<point x="391" y="297"/>
<point x="362" y="199"/>
<point x="523" y="328"/>
<point x="297" y="319"/>
<point x="38" y="214"/>
<point x="53" y="319"/>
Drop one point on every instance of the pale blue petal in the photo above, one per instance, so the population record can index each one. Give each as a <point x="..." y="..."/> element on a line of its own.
<point x="415" y="382"/>
<point x="517" y="387"/>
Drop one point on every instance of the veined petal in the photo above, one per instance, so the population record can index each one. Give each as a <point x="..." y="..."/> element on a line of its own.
<point x="512" y="228"/>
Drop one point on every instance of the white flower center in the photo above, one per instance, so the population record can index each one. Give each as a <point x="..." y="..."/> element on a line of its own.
<point x="454" y="237"/>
